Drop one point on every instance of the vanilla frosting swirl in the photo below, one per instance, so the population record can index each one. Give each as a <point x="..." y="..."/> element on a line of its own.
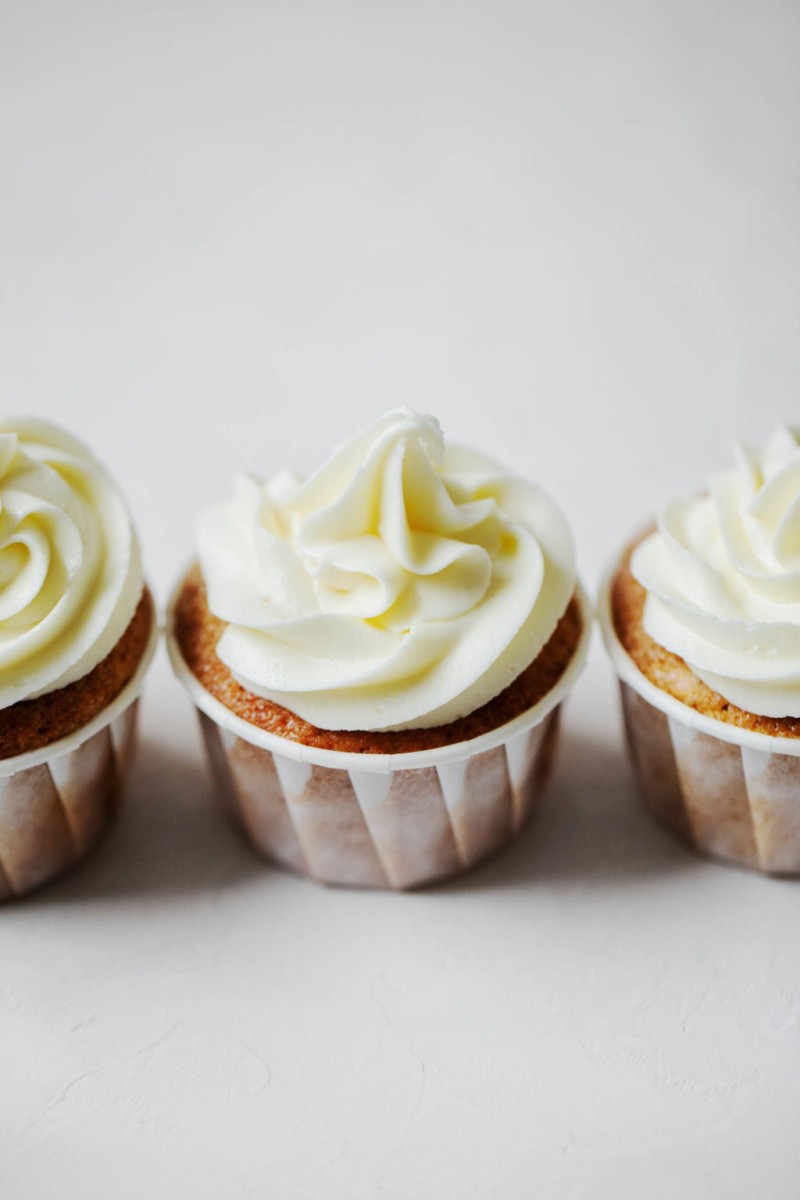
<point x="70" y="571"/>
<point x="400" y="586"/>
<point x="722" y="573"/>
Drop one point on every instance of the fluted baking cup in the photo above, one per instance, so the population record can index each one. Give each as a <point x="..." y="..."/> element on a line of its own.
<point x="380" y="820"/>
<point x="731" y="793"/>
<point x="57" y="802"/>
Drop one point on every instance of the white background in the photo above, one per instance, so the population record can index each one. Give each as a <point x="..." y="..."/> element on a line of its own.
<point x="231" y="234"/>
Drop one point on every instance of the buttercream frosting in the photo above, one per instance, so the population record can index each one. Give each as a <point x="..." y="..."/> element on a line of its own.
<point x="70" y="569"/>
<point x="402" y="585"/>
<point x="722" y="574"/>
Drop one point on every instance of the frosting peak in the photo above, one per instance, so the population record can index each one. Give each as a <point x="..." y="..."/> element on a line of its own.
<point x="70" y="572"/>
<point x="401" y="585"/>
<point x="722" y="574"/>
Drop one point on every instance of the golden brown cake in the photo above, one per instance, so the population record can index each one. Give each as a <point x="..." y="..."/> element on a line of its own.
<point x="31" y="724"/>
<point x="669" y="672"/>
<point x="197" y="631"/>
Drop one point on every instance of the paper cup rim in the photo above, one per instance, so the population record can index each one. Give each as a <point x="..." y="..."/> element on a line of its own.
<point x="380" y="763"/>
<point x="629" y="673"/>
<point x="65" y="745"/>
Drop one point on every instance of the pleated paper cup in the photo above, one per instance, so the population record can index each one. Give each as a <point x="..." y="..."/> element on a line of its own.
<point x="730" y="793"/>
<point x="380" y="820"/>
<point x="57" y="802"/>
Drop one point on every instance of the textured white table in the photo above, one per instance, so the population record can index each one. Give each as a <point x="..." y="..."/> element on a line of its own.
<point x="229" y="234"/>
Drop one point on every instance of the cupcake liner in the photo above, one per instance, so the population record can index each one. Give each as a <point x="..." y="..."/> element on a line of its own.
<point x="380" y="820"/>
<point x="57" y="802"/>
<point x="731" y="793"/>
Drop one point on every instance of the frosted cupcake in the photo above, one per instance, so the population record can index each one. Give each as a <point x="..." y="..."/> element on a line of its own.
<point x="77" y="631"/>
<point x="702" y="621"/>
<point x="378" y="653"/>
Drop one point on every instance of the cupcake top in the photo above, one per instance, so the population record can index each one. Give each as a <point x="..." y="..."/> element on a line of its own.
<point x="722" y="576"/>
<point x="70" y="568"/>
<point x="401" y="586"/>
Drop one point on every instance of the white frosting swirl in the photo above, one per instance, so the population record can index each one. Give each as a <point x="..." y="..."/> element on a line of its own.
<point x="722" y="574"/>
<point x="70" y="572"/>
<point x="401" y="586"/>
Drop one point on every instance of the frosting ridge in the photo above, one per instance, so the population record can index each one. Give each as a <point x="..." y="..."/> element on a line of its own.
<point x="70" y="569"/>
<point x="401" y="585"/>
<point x="722" y="573"/>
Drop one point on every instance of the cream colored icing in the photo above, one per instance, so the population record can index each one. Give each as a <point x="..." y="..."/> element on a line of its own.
<point x="70" y="570"/>
<point x="722" y="573"/>
<point x="402" y="585"/>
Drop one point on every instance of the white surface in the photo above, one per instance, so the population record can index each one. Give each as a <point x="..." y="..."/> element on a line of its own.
<point x="227" y="234"/>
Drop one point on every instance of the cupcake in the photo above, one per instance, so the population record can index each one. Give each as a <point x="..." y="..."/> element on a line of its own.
<point x="378" y="653"/>
<point x="701" y="618"/>
<point x="77" y="631"/>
